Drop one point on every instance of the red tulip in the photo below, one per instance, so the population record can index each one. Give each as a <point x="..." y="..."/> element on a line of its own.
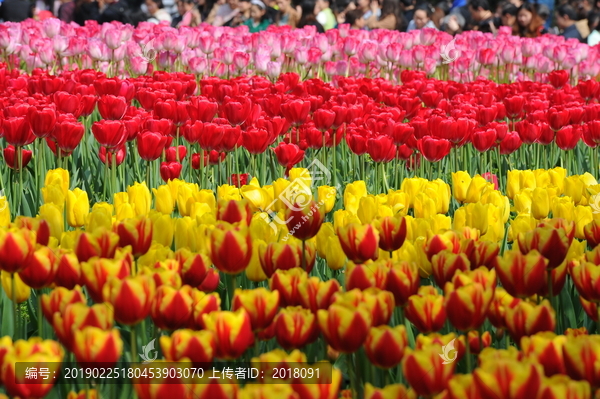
<point x="568" y="137"/>
<point x="106" y="155"/>
<point x="202" y="109"/>
<point x="171" y="153"/>
<point x="211" y="136"/>
<point x="433" y="149"/>
<point x="17" y="131"/>
<point x="10" y="157"/>
<point x="68" y="103"/>
<point x="170" y="170"/>
<point x="67" y="133"/>
<point x="237" y="110"/>
<point x="110" y="134"/>
<point x="111" y="107"/>
<point x="558" y="78"/>
<point x="381" y="149"/>
<point x="150" y="145"/>
<point x="42" y="120"/>
<point x="483" y="140"/>
<point x="324" y="119"/>
<point x="296" y="111"/>
<point x="511" y="143"/>
<point x="288" y="155"/>
<point x="255" y="140"/>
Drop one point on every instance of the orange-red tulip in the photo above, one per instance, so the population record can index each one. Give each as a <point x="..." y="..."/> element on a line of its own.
<point x="475" y="344"/>
<point x="16" y="249"/>
<point x="467" y="306"/>
<point x="547" y="349"/>
<point x="581" y="355"/>
<point x="280" y="256"/>
<point x="552" y="243"/>
<point x="41" y="269"/>
<point x="500" y="303"/>
<point x="528" y="319"/>
<point x="234" y="211"/>
<point x="232" y="331"/>
<point x="287" y="282"/>
<point x="101" y="243"/>
<point x="508" y="378"/>
<point x="136" y="232"/>
<point x="194" y="266"/>
<point x="96" y="272"/>
<point x="385" y="345"/>
<point x="445" y="264"/>
<point x="304" y="220"/>
<point x="365" y="276"/>
<point x="204" y="304"/>
<point x="78" y="316"/>
<point x="295" y="327"/>
<point x="68" y="270"/>
<point x="231" y="248"/>
<point x="392" y="232"/>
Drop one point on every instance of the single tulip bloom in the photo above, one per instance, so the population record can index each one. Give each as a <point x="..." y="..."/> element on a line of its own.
<point x="403" y="281"/>
<point x="232" y="331"/>
<point x="41" y="270"/>
<point x="260" y="304"/>
<point x="547" y="349"/>
<point x="58" y="299"/>
<point x="526" y="319"/>
<point x="359" y="242"/>
<point x="344" y="326"/>
<point x="467" y="306"/>
<point x="78" y="207"/>
<point x="445" y="264"/>
<point x="204" y="304"/>
<point x="295" y="327"/>
<point x="76" y="317"/>
<point x="580" y="354"/>
<point x="426" y="310"/>
<point x="508" y="378"/>
<point x="280" y="256"/>
<point x="392" y="232"/>
<point x="552" y="243"/>
<point x="315" y="294"/>
<point x="137" y="233"/>
<point x="96" y="271"/>
<point x="102" y="243"/>
<point x="586" y="277"/>
<point x="521" y="275"/>
<point x="93" y="345"/>
<point x="304" y="221"/>
<point x="16" y="249"/>
<point x="194" y="266"/>
<point x="197" y="346"/>
<point x="385" y="345"/>
<point x="22" y="290"/>
<point x="232" y="211"/>
<point x="287" y="283"/>
<point x="171" y="308"/>
<point x="231" y="248"/>
<point x="131" y="297"/>
<point x="424" y="371"/>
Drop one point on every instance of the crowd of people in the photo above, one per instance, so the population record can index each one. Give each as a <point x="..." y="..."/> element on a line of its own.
<point x="577" y="19"/>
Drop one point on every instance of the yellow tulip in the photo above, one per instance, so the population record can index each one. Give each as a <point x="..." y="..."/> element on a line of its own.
<point x="583" y="216"/>
<point x="261" y="227"/>
<point x="518" y="180"/>
<point x="412" y="186"/>
<point x="185" y="198"/>
<point x="521" y="224"/>
<point x="199" y="210"/>
<point x="439" y="223"/>
<point x="101" y="216"/>
<point x="162" y="228"/>
<point x="301" y="177"/>
<point x="442" y="191"/>
<point x="342" y="217"/>
<point x="157" y="253"/>
<point x="425" y="206"/>
<point x="476" y="188"/>
<point x="352" y="195"/>
<point x="557" y="178"/>
<point x="398" y="201"/>
<point x="460" y="184"/>
<point x="495" y="230"/>
<point x="475" y="215"/>
<point x="78" y="207"/>
<point x="254" y="271"/>
<point x="163" y="200"/>
<point x="574" y="188"/>
<point x="58" y="177"/>
<point x="140" y="198"/>
<point x="52" y="214"/>
<point x="523" y="201"/>
<point x="323" y="235"/>
<point x="4" y="212"/>
<point x="258" y="197"/>
<point x="22" y="290"/>
<point x="367" y="209"/>
<point x="207" y="197"/>
<point x="183" y="233"/>
<point x="540" y="203"/>
<point x="228" y="192"/>
<point x="120" y="198"/>
<point x="334" y="254"/>
<point x="563" y="207"/>
<point x="417" y="227"/>
<point x="327" y="196"/>
<point x="54" y="194"/>
<point x="124" y="211"/>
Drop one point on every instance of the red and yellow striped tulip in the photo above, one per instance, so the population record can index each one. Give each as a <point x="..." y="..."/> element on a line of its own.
<point x="94" y="345"/>
<point x="295" y="327"/>
<point x="385" y="345"/>
<point x="260" y="304"/>
<point x="130" y="297"/>
<point x="197" y="346"/>
<point x="359" y="242"/>
<point x="232" y="331"/>
<point x="231" y="248"/>
<point x="345" y="326"/>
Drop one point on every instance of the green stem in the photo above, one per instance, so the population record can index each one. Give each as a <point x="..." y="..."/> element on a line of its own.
<point x="304" y="255"/>
<point x="13" y="294"/>
<point x="133" y="343"/>
<point x="468" y="355"/>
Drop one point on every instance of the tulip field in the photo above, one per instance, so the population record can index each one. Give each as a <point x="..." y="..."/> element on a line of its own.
<point x="347" y="213"/>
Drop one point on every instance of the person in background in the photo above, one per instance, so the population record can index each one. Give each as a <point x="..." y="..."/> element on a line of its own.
<point x="565" y="20"/>
<point x="508" y="16"/>
<point x="226" y="13"/>
<point x="309" y="17"/>
<point x="243" y="15"/>
<point x="422" y="18"/>
<point x="355" y="19"/>
<point x="594" y="25"/>
<point x="325" y="15"/>
<point x="453" y="23"/>
<point x="408" y="9"/>
<point x="66" y="11"/>
<point x="157" y="12"/>
<point x="86" y="10"/>
<point x="258" y="20"/>
<point x="482" y="16"/>
<point x="16" y="10"/>
<point x="391" y="17"/>
<point x="288" y="15"/>
<point x="582" y="8"/>
<point x="189" y="14"/>
<point x="530" y="23"/>
<point x="440" y="11"/>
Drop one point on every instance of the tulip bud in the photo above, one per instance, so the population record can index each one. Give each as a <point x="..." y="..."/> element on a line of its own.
<point x="260" y="304"/>
<point x="78" y="207"/>
<point x="527" y="319"/>
<point x="93" y="345"/>
<point x="424" y="371"/>
<point x="232" y="331"/>
<point x="426" y="310"/>
<point x="385" y="345"/>
<point x="295" y="327"/>
<point x="22" y="290"/>
<point x="359" y="242"/>
<point x="344" y="326"/>
<point x="231" y="248"/>
<point x="287" y="282"/>
<point x="521" y="275"/>
<point x="131" y="297"/>
<point x="197" y="346"/>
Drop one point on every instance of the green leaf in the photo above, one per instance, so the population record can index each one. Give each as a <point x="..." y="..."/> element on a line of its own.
<point x="8" y="324"/>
